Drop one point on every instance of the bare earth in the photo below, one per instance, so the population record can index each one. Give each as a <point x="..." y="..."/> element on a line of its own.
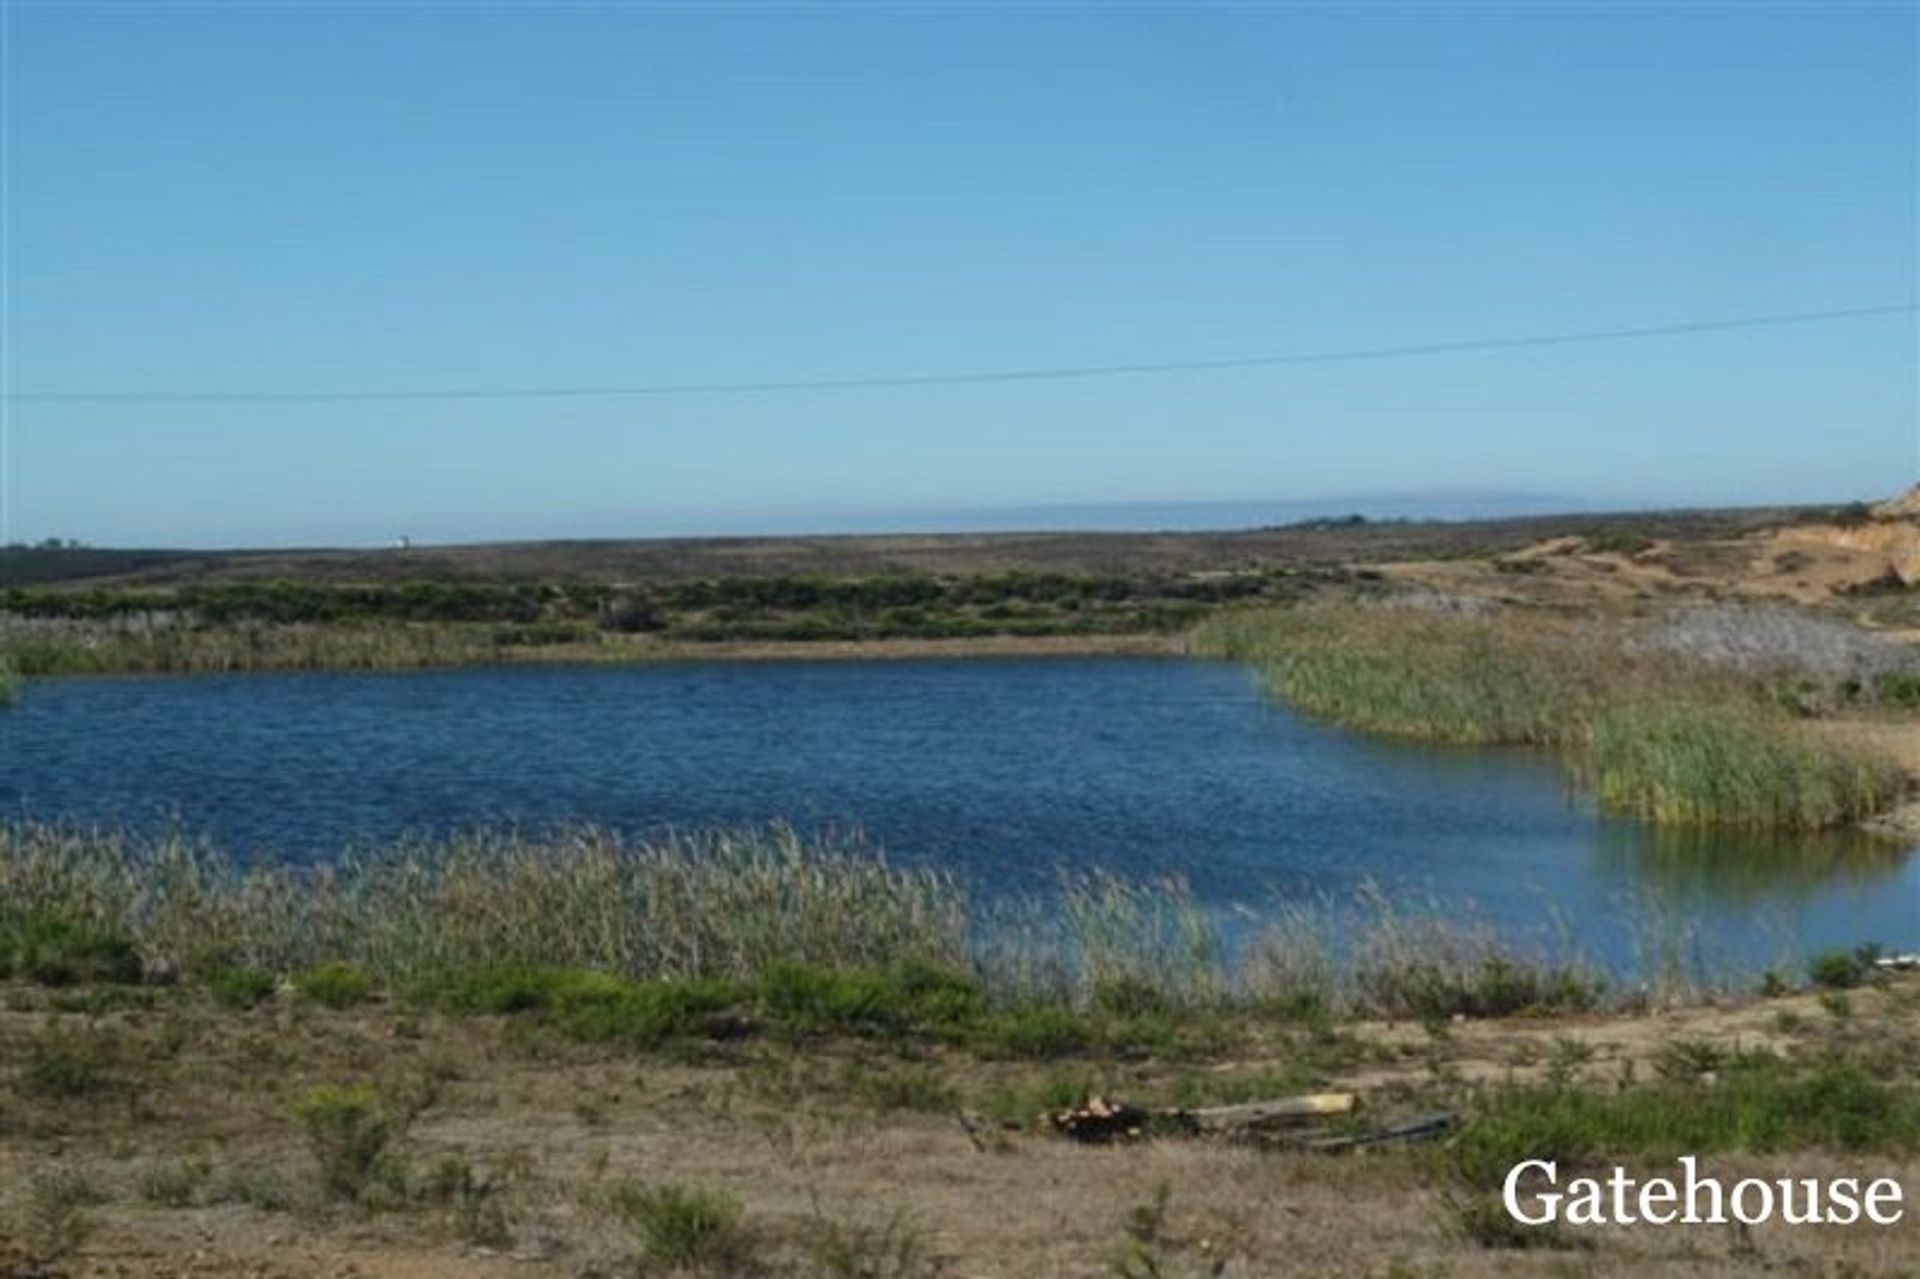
<point x="806" y="1137"/>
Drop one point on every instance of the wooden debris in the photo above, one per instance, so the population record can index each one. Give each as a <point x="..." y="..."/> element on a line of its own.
<point x="1282" y="1112"/>
<point x="1427" y="1127"/>
<point x="1105" y="1119"/>
<point x="1099" y="1120"/>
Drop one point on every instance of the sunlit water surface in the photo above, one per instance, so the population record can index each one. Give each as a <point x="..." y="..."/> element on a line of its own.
<point x="1003" y="770"/>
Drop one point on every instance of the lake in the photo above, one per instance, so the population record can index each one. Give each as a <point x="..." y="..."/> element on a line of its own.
<point x="1005" y="770"/>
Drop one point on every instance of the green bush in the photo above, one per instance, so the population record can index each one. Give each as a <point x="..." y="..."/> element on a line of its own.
<point x="348" y="1133"/>
<point x="1036" y="1031"/>
<point x="601" y="1008"/>
<point x="63" y="952"/>
<point x="241" y="987"/>
<point x="338" y="985"/>
<point x="809" y="999"/>
<point x="1842" y="969"/>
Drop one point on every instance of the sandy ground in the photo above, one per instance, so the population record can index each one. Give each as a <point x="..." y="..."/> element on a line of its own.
<point x="807" y="1143"/>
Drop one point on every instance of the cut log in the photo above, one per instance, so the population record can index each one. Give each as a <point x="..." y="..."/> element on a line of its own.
<point x="1281" y="1112"/>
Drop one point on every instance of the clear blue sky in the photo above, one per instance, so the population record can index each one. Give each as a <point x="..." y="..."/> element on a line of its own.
<point x="268" y="197"/>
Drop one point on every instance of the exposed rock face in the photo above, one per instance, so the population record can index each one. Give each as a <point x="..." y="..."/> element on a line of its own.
<point x="1904" y="507"/>
<point x="1897" y="541"/>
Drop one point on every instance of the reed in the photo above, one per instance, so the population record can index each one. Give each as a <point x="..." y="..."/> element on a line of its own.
<point x="504" y="916"/>
<point x="1702" y="763"/>
<point x="1655" y="729"/>
<point x="10" y="682"/>
<point x="84" y="648"/>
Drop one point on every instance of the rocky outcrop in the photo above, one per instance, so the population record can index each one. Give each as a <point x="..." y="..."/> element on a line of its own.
<point x="1894" y="541"/>
<point x="1904" y="507"/>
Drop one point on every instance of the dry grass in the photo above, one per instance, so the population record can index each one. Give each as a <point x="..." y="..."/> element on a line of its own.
<point x="508" y="1153"/>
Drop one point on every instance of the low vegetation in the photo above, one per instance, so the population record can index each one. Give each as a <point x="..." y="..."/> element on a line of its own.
<point x="725" y="933"/>
<point x="1665" y="723"/>
<point x="280" y="625"/>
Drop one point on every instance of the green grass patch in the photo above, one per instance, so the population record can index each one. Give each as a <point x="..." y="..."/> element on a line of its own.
<point x="241" y="987"/>
<point x="58" y="951"/>
<point x="335" y="985"/>
<point x="690" y="1227"/>
<point x="1758" y="1103"/>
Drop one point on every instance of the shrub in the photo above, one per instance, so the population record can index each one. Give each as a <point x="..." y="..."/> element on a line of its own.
<point x="644" y="1014"/>
<point x="54" y="1212"/>
<point x="895" y="1249"/>
<point x="241" y="987"/>
<point x="687" y="1226"/>
<point x="1842" y="969"/>
<point x="175" y="1185"/>
<point x="348" y="1133"/>
<point x="67" y="1064"/>
<point x="337" y="985"/>
<point x="1035" y="1031"/>
<point x="64" y="952"/>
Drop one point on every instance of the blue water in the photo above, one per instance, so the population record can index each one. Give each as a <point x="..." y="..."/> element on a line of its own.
<point x="1005" y="770"/>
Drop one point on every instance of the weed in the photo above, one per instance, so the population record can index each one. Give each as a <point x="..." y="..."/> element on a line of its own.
<point x="895" y="1249"/>
<point x="689" y="1226"/>
<point x="334" y="985"/>
<point x="69" y="1064"/>
<point x="175" y="1185"/>
<point x="56" y="951"/>
<point x="54" y="1215"/>
<point x="473" y="1203"/>
<point x="1483" y="1219"/>
<point x="263" y="1188"/>
<point x="348" y="1133"/>
<point x="241" y="987"/>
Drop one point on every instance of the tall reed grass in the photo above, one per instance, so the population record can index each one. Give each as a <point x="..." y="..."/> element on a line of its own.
<point x="1655" y="731"/>
<point x="81" y="648"/>
<point x="738" y="905"/>
<point x="10" y="682"/>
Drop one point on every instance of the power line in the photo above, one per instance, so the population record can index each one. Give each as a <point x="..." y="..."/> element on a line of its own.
<point x="954" y="379"/>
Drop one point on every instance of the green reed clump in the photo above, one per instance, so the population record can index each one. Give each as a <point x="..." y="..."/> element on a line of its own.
<point x="10" y="681"/>
<point x="84" y="648"/>
<point x="709" y="904"/>
<point x="1436" y="676"/>
<point x="1658" y="732"/>
<point x="1693" y="763"/>
<point x="712" y="933"/>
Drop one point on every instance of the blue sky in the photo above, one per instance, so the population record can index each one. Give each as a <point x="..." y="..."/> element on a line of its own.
<point x="367" y="196"/>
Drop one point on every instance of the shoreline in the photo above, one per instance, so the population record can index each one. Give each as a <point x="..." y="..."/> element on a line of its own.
<point x="654" y="652"/>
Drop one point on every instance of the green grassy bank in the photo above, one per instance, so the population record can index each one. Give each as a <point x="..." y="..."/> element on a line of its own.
<point x="1653" y="730"/>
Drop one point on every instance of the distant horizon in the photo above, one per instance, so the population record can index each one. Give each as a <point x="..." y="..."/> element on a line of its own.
<point x="1412" y="506"/>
